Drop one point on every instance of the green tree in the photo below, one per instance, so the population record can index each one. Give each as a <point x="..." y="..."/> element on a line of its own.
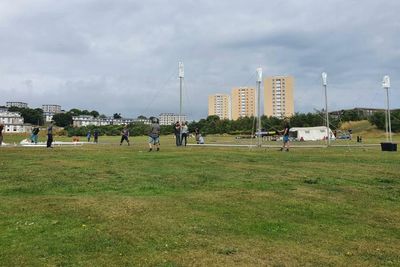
<point x="94" y="113"/>
<point x="33" y="116"/>
<point x="63" y="119"/>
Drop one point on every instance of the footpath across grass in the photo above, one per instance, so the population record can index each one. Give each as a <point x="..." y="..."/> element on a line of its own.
<point x="111" y="205"/>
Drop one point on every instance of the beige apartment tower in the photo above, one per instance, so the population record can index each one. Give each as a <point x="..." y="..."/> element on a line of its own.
<point x="220" y="105"/>
<point x="243" y="102"/>
<point x="278" y="96"/>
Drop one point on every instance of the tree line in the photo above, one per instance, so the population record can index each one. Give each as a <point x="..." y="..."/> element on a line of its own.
<point x="211" y="124"/>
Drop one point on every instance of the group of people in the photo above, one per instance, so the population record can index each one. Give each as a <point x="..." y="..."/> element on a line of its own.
<point x="96" y="134"/>
<point x="154" y="136"/>
<point x="181" y="132"/>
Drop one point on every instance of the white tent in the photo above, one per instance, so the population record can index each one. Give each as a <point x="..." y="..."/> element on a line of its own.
<point x="310" y="133"/>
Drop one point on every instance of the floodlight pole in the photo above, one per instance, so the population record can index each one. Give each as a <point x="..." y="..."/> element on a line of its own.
<point x="386" y="86"/>
<point x="324" y="83"/>
<point x="181" y="76"/>
<point x="259" y="80"/>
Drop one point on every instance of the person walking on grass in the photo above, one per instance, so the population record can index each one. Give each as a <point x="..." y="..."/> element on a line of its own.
<point x="285" y="138"/>
<point x="124" y="135"/>
<point x="1" y="133"/>
<point x="177" y="132"/>
<point x="34" y="136"/>
<point x="154" y="136"/>
<point x="184" y="133"/>
<point x="49" y="135"/>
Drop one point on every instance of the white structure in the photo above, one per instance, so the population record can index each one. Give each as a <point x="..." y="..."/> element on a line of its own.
<point x="86" y="120"/>
<point x="13" y="122"/>
<point x="50" y="110"/>
<point x="388" y="124"/>
<point x="310" y="133"/>
<point x="16" y="104"/>
<point x="170" y="118"/>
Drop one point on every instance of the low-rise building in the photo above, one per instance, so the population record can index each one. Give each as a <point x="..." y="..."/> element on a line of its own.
<point x="13" y="122"/>
<point x="10" y="104"/>
<point x="49" y="110"/>
<point x="87" y="120"/>
<point x="171" y="118"/>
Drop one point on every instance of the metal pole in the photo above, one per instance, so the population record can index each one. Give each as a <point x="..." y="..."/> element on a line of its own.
<point x="180" y="98"/>
<point x="388" y="115"/>
<point x="327" y="117"/>
<point x="181" y="75"/>
<point x="259" y="80"/>
<point x="259" y="113"/>
<point x="386" y="126"/>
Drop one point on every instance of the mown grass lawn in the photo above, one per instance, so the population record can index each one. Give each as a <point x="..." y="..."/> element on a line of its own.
<point x="107" y="205"/>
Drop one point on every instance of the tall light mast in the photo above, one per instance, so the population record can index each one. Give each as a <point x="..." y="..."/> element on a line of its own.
<point x="181" y="76"/>
<point x="259" y="80"/>
<point x="388" y="124"/>
<point x="325" y="83"/>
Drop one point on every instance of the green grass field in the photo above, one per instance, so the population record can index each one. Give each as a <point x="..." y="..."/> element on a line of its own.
<point x="111" y="205"/>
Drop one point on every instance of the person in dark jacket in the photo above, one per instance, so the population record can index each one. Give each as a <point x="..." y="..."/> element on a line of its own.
<point x="34" y="136"/>
<point x="125" y="135"/>
<point x="1" y="133"/>
<point x="154" y="136"/>
<point x="96" y="136"/>
<point x="50" y="135"/>
<point x="177" y="132"/>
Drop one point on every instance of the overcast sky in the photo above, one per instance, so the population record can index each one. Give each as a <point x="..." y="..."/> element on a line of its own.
<point x="122" y="56"/>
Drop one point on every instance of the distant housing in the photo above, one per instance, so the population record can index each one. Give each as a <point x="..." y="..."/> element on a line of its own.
<point x="49" y="110"/>
<point x="13" y="122"/>
<point x="171" y="118"/>
<point x="16" y="104"/>
<point x="87" y="120"/>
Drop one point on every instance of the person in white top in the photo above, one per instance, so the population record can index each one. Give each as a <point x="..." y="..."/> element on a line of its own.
<point x="184" y="133"/>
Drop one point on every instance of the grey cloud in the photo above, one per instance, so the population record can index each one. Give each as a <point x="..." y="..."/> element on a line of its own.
<point x="121" y="56"/>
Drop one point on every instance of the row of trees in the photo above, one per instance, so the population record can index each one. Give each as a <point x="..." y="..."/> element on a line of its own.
<point x="378" y="119"/>
<point x="214" y="125"/>
<point x="135" y="129"/>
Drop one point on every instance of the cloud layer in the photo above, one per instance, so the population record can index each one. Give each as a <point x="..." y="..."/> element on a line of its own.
<point x="122" y="56"/>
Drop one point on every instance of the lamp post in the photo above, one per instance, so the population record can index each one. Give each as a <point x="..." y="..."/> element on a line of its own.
<point x="386" y="85"/>
<point x="181" y="76"/>
<point x="259" y="80"/>
<point x="324" y="83"/>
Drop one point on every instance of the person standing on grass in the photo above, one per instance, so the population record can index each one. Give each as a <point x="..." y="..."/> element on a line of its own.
<point x="96" y="136"/>
<point x="184" y="133"/>
<point x="154" y="136"/>
<point x="197" y="134"/>
<point x="177" y="132"/>
<point x="49" y="135"/>
<point x="1" y="133"/>
<point x="285" y="138"/>
<point x="124" y="135"/>
<point x="89" y="134"/>
<point x="34" y="136"/>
